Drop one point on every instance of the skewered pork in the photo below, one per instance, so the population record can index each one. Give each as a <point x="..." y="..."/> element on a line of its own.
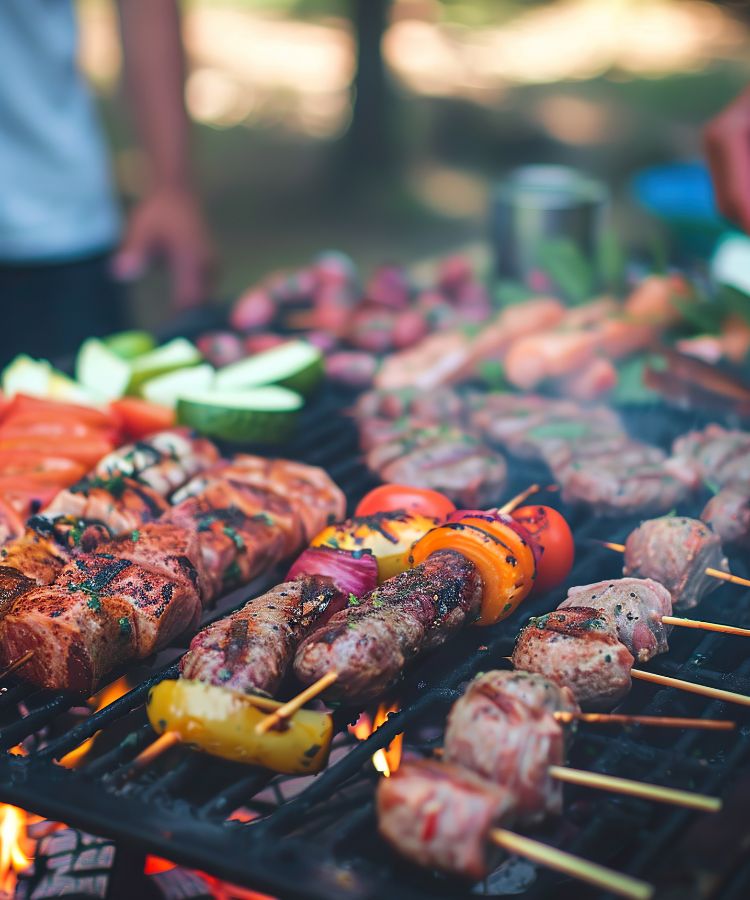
<point x="728" y="514"/>
<point x="369" y="643"/>
<point x="577" y="647"/>
<point x="251" y="650"/>
<point x="440" y="815"/>
<point x="716" y="454"/>
<point x="675" y="551"/>
<point x="636" y="605"/>
<point x="503" y="729"/>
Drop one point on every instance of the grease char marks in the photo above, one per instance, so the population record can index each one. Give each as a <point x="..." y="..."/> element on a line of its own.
<point x="251" y="650"/>
<point x="369" y="643"/>
<point x="577" y="647"/>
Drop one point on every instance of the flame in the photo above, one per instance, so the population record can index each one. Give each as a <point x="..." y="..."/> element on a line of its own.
<point x="13" y="840"/>
<point x="155" y="864"/>
<point x="103" y="698"/>
<point x="387" y="759"/>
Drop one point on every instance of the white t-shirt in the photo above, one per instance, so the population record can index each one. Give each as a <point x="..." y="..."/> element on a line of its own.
<point x="56" y="195"/>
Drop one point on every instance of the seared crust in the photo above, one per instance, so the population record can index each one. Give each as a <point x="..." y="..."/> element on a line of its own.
<point x="371" y="642"/>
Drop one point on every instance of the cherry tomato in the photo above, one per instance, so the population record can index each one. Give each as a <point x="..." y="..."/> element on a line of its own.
<point x="550" y="530"/>
<point x="392" y="497"/>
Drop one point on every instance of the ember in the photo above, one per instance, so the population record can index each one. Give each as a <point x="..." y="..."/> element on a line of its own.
<point x="106" y="696"/>
<point x="387" y="759"/>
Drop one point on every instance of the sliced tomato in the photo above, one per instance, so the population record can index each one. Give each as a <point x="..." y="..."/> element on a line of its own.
<point x="86" y="450"/>
<point x="550" y="530"/>
<point x="39" y="406"/>
<point x="393" y="497"/>
<point x="27" y="494"/>
<point x="11" y="524"/>
<point x="40" y="465"/>
<point x="55" y="429"/>
<point x="139" y="418"/>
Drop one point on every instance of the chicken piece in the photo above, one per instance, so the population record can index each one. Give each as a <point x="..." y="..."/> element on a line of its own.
<point x="538" y="314"/>
<point x="596" y="378"/>
<point x="655" y="300"/>
<point x="250" y="651"/>
<point x="588" y="315"/>
<point x="436" y="361"/>
<point x="577" y="647"/>
<point x="533" y="359"/>
<point x="37" y="554"/>
<point x="728" y="514"/>
<point x="675" y="551"/>
<point x="11" y="522"/>
<point x="503" y="729"/>
<point x="440" y="816"/>
<point x="617" y="338"/>
<point x="636" y="605"/>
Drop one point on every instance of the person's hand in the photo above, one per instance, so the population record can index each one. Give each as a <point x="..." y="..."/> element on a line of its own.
<point x="167" y="224"/>
<point x="727" y="142"/>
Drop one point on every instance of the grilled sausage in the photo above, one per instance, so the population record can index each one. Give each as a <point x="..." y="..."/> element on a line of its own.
<point x="369" y="643"/>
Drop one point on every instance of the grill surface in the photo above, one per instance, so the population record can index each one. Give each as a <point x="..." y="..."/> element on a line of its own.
<point x="316" y="837"/>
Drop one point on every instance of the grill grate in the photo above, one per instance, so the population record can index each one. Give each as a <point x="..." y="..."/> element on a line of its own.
<point x="315" y="838"/>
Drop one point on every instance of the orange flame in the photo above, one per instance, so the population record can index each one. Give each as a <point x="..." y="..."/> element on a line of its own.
<point x="103" y="698"/>
<point x="13" y="844"/>
<point x="387" y="759"/>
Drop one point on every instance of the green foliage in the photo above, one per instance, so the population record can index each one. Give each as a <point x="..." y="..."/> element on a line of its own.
<point x="566" y="265"/>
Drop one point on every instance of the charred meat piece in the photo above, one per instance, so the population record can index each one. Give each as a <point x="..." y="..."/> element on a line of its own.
<point x="503" y="729"/>
<point x="440" y="816"/>
<point x="13" y="584"/>
<point x="100" y="612"/>
<point x="728" y="514"/>
<point x="163" y="462"/>
<point x="716" y="454"/>
<point x="370" y="643"/>
<point x="675" y="551"/>
<point x="447" y="460"/>
<point x="36" y="554"/>
<point x="251" y="650"/>
<point x="577" y="647"/>
<point x="636" y="605"/>
<point x="420" y="407"/>
<point x="313" y="496"/>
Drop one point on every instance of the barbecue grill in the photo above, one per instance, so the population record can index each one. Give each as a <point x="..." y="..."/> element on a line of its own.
<point x="316" y="837"/>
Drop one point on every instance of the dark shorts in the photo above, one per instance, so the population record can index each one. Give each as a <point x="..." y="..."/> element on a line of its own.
<point x="47" y="309"/>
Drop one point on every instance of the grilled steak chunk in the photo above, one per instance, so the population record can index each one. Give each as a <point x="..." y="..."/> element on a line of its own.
<point x="636" y="605"/>
<point x="728" y="514"/>
<point x="675" y="551"/>
<point x="369" y="643"/>
<point x="440" y="816"/>
<point x="251" y="650"/>
<point x="716" y="454"/>
<point x="577" y="647"/>
<point x="503" y="729"/>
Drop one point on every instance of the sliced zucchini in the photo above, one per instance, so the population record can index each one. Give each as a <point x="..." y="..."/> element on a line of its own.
<point x="296" y="365"/>
<point x="130" y="344"/>
<point x="175" y="354"/>
<point x="61" y="387"/>
<point x="24" y="375"/>
<point x="265" y="415"/>
<point x="167" y="389"/>
<point x="101" y="370"/>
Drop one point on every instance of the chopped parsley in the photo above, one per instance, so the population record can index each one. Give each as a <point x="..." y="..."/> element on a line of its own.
<point x="378" y="603"/>
<point x="353" y="601"/>
<point x="94" y="602"/>
<point x="263" y="517"/>
<point x="125" y="627"/>
<point x="232" y="572"/>
<point x="135" y="535"/>
<point x="237" y="538"/>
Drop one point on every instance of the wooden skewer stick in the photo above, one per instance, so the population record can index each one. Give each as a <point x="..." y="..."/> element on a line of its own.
<point x="705" y="626"/>
<point x="654" y="721"/>
<point x="653" y="792"/>
<point x="582" y="869"/>
<point x="519" y="498"/>
<point x="146" y="757"/>
<point x="280" y="715"/>
<point x="709" y="570"/>
<point x="16" y="664"/>
<point x="691" y="687"/>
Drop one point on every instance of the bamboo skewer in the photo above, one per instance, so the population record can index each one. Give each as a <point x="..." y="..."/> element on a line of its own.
<point x="582" y="869"/>
<point x="16" y="664"/>
<point x="627" y="786"/>
<point x="652" y="721"/>
<point x="280" y="715"/>
<point x="691" y="687"/>
<point x="519" y="498"/>
<point x="146" y="757"/>
<point x="705" y="626"/>
<point x="709" y="570"/>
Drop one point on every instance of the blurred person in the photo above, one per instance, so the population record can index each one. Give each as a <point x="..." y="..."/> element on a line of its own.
<point x="727" y="140"/>
<point x="64" y="253"/>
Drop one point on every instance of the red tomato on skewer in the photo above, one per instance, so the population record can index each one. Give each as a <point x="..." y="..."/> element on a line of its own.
<point x="550" y="530"/>
<point x="392" y="497"/>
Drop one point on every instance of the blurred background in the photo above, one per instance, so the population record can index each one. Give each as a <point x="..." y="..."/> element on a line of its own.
<point x="378" y="126"/>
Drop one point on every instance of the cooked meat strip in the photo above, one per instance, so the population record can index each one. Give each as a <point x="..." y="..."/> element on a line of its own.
<point x="728" y="514"/>
<point x="12" y="585"/>
<point x="675" y="551"/>
<point x="446" y="460"/>
<point x="716" y="454"/>
<point x="251" y="650"/>
<point x="370" y="643"/>
<point x="100" y="612"/>
<point x="313" y="495"/>
<point x="577" y="647"/>
<point x="636" y="605"/>
<point x="503" y="729"/>
<point x="440" y="816"/>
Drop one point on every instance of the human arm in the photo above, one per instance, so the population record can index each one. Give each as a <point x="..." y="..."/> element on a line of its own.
<point x="727" y="142"/>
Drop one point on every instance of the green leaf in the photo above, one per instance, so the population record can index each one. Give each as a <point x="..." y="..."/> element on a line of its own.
<point x="493" y="373"/>
<point x="630" y="387"/>
<point x="510" y="293"/>
<point x="568" y="268"/>
<point x="569" y="431"/>
<point x="612" y="260"/>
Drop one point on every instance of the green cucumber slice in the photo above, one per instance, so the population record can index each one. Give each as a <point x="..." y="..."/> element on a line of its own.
<point x="167" y="389"/>
<point x="24" y="375"/>
<point x="265" y="415"/>
<point x="175" y="354"/>
<point x="102" y="371"/>
<point x="130" y="344"/>
<point x="296" y="365"/>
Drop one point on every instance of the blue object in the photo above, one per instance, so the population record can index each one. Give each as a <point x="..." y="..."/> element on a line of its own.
<point x="678" y="192"/>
